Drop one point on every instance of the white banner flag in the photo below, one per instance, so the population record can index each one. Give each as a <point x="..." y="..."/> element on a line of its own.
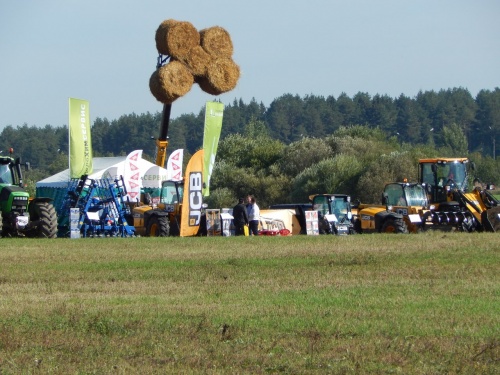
<point x="174" y="165"/>
<point x="132" y="175"/>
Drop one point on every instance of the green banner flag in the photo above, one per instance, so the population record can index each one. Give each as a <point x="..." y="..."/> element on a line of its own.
<point x="213" y="125"/>
<point x="80" y="142"/>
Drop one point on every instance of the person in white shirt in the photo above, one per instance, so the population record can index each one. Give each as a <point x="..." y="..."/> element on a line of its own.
<point x="253" y="215"/>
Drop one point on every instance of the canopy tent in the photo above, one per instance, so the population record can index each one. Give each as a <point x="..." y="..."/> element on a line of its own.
<point x="110" y="168"/>
<point x="56" y="186"/>
<point x="62" y="179"/>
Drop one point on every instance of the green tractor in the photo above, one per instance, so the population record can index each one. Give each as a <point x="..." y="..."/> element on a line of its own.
<point x="20" y="215"/>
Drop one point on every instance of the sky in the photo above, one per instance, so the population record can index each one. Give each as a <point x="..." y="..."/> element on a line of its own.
<point x="104" y="51"/>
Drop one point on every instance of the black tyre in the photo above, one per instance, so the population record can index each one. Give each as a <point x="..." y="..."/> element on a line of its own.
<point x="43" y="218"/>
<point x="1" y="224"/>
<point x="356" y="227"/>
<point x="394" y="225"/>
<point x="158" y="226"/>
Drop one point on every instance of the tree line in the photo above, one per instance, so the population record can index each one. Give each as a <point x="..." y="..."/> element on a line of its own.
<point x="280" y="153"/>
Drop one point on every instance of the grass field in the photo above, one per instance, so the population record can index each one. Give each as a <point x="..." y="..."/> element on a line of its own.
<point x="363" y="304"/>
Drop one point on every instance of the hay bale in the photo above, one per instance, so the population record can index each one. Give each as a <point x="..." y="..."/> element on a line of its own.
<point x="170" y="82"/>
<point x="216" y="41"/>
<point x="197" y="61"/>
<point x="206" y="86"/>
<point x="161" y="36"/>
<point x="222" y="76"/>
<point x="176" y="38"/>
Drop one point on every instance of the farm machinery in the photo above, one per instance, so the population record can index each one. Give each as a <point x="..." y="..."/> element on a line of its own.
<point x="447" y="182"/>
<point x="334" y="213"/>
<point x="410" y="202"/>
<point x="97" y="208"/>
<point x="21" y="215"/>
<point x="403" y="205"/>
<point x="164" y="218"/>
<point x="174" y="214"/>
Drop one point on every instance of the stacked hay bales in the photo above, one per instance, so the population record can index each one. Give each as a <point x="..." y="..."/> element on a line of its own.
<point x="203" y="57"/>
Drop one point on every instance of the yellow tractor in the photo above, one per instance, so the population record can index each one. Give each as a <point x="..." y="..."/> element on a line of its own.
<point x="447" y="183"/>
<point x="160" y="219"/>
<point x="401" y="211"/>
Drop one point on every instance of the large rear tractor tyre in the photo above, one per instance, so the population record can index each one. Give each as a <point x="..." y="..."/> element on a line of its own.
<point x="394" y="225"/>
<point x="158" y="226"/>
<point x="43" y="220"/>
<point x="1" y="225"/>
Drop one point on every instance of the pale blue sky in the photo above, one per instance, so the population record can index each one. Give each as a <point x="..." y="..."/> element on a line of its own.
<point x="104" y="51"/>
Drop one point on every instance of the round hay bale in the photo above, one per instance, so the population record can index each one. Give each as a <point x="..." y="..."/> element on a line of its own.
<point x="161" y="36"/>
<point x="216" y="41"/>
<point x="170" y="82"/>
<point x="197" y="61"/>
<point x="176" y="38"/>
<point x="222" y="76"/>
<point x="206" y="86"/>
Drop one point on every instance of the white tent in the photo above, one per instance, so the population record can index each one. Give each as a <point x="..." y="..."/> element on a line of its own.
<point x="56" y="186"/>
<point x="151" y="175"/>
<point x="62" y="179"/>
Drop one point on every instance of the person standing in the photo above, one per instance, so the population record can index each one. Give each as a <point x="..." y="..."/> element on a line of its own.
<point x="253" y="215"/>
<point x="240" y="217"/>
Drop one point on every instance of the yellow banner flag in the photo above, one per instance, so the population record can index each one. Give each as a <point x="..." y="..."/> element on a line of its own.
<point x="80" y="142"/>
<point x="193" y="198"/>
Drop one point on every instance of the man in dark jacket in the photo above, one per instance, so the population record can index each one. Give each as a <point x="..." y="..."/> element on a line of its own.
<point x="240" y="217"/>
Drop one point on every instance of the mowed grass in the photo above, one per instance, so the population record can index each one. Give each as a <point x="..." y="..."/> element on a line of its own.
<point x="403" y="304"/>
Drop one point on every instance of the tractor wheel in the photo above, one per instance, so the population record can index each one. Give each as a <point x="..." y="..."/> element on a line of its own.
<point x="44" y="216"/>
<point x="356" y="227"/>
<point x="158" y="226"/>
<point x="394" y="225"/>
<point x="1" y="224"/>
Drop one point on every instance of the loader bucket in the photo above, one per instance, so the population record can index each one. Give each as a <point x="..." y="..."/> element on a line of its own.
<point x="491" y="219"/>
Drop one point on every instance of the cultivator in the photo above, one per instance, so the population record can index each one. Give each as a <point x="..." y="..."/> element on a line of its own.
<point x="102" y="210"/>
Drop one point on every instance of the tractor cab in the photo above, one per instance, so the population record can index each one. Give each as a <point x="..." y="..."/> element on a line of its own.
<point x="443" y="174"/>
<point x="10" y="171"/>
<point x="5" y="171"/>
<point x="404" y="194"/>
<point x="171" y="196"/>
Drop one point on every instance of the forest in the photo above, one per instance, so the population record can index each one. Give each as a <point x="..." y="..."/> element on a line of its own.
<point x="297" y="146"/>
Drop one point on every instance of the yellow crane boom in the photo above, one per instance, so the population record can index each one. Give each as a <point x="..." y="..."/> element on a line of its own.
<point x="162" y="140"/>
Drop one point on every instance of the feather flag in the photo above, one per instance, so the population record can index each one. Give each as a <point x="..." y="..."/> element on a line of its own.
<point x="80" y="141"/>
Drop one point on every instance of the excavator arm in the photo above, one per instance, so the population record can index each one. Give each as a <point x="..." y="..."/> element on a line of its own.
<point x="162" y="141"/>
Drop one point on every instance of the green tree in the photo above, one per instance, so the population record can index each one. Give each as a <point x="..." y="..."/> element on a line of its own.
<point x="285" y="115"/>
<point x="333" y="175"/>
<point x="455" y="141"/>
<point x="487" y="122"/>
<point x="304" y="153"/>
<point x="387" y="168"/>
